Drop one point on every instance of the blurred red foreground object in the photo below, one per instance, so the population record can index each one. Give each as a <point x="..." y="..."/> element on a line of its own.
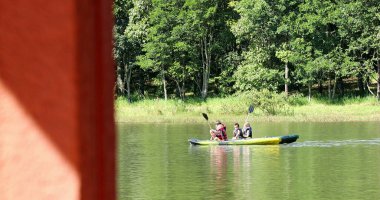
<point x="57" y="135"/>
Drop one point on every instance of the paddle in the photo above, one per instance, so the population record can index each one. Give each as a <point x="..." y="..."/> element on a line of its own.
<point x="206" y="117"/>
<point x="250" y="110"/>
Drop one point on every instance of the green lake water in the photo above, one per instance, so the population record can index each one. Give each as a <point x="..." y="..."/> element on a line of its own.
<point x="329" y="161"/>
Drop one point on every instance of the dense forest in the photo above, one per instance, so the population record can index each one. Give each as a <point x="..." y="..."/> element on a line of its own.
<point x="201" y="48"/>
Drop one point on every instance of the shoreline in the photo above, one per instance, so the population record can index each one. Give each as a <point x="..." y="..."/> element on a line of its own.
<point x="151" y="111"/>
<point x="253" y="118"/>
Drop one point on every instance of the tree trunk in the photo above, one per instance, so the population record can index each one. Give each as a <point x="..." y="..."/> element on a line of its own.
<point x="378" y="80"/>
<point x="340" y="85"/>
<point x="286" y="78"/>
<point x="360" y="84"/>
<point x="309" y="97"/>
<point x="197" y="86"/>
<point x="141" y="82"/>
<point x="127" y="78"/>
<point x="206" y="62"/>
<point x="320" y="87"/>
<point x="334" y="89"/>
<point x="329" y="88"/>
<point x="129" y="74"/>
<point x="181" y="90"/>
<point x="164" y="84"/>
<point x="369" y="90"/>
<point x="119" y="81"/>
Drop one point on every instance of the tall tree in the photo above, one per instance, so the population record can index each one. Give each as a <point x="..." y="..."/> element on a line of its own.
<point x="359" y="26"/>
<point x="257" y="33"/>
<point x="136" y="33"/>
<point x="201" y="21"/>
<point x="159" y="47"/>
<point x="284" y="55"/>
<point x="198" y="36"/>
<point x="120" y="11"/>
<point x="130" y="32"/>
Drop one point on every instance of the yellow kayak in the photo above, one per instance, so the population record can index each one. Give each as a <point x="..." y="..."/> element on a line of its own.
<point x="254" y="141"/>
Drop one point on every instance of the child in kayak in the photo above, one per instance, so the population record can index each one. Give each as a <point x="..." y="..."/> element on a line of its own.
<point x="220" y="133"/>
<point x="247" y="130"/>
<point x="237" y="133"/>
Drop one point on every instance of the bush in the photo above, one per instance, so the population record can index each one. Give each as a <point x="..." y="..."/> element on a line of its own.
<point x="269" y="102"/>
<point x="297" y="100"/>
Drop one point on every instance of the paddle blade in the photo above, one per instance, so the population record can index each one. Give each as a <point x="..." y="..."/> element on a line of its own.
<point x="205" y="116"/>
<point x="250" y="109"/>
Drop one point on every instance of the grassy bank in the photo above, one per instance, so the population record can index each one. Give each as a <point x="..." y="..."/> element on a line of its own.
<point x="234" y="109"/>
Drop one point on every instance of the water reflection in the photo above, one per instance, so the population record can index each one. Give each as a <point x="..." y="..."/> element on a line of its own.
<point x="238" y="170"/>
<point x="242" y="168"/>
<point x="218" y="168"/>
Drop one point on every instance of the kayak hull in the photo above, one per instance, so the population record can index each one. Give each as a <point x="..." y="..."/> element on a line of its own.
<point x="254" y="141"/>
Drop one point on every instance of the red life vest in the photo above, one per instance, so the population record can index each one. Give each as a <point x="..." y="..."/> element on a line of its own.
<point x="222" y="136"/>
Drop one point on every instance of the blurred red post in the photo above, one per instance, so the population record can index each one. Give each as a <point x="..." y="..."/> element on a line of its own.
<point x="57" y="135"/>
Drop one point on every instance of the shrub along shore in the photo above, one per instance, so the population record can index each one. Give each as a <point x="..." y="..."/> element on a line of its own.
<point x="234" y="109"/>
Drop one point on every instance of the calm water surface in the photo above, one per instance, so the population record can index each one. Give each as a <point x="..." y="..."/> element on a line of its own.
<point x="329" y="161"/>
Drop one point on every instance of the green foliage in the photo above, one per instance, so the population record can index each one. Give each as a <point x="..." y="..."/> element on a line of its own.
<point x="270" y="103"/>
<point x="226" y="80"/>
<point x="297" y="99"/>
<point x="253" y="76"/>
<point x="221" y="47"/>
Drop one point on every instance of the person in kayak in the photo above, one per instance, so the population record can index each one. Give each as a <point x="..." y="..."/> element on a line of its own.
<point x="247" y="131"/>
<point x="220" y="132"/>
<point x="237" y="133"/>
